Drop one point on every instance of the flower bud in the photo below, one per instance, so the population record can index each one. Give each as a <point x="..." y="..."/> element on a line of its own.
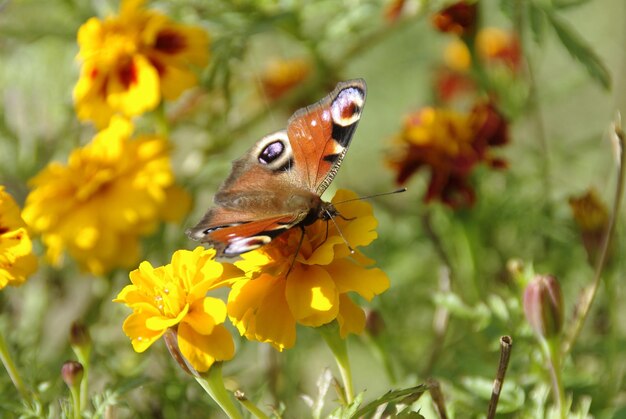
<point x="72" y="373"/>
<point x="543" y="305"/>
<point x="79" y="335"/>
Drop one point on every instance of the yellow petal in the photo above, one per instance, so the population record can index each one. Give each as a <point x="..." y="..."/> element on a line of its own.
<point x="202" y="350"/>
<point x="135" y="88"/>
<point x="161" y="323"/>
<point x="312" y="295"/>
<point x="141" y="337"/>
<point x="205" y="314"/>
<point x="351" y="317"/>
<point x="350" y="276"/>
<point x="259" y="310"/>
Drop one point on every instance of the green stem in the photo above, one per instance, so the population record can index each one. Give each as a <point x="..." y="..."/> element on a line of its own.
<point x="213" y="383"/>
<point x="250" y="407"/>
<point x="553" y="349"/>
<point x="82" y="353"/>
<point x="76" y="400"/>
<point x="589" y="294"/>
<point x="339" y="348"/>
<point x="8" y="363"/>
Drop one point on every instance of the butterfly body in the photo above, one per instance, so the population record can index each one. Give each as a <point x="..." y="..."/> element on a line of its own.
<point x="278" y="183"/>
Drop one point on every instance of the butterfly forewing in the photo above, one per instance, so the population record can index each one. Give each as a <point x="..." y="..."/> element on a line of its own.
<point x="277" y="184"/>
<point x="320" y="134"/>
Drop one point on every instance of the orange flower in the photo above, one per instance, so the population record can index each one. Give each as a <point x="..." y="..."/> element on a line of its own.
<point x="132" y="60"/>
<point x="450" y="144"/>
<point x="275" y="296"/>
<point x="458" y="18"/>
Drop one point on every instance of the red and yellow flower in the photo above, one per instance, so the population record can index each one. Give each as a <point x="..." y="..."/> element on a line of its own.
<point x="133" y="60"/>
<point x="17" y="261"/>
<point x="313" y="289"/>
<point x="449" y="144"/>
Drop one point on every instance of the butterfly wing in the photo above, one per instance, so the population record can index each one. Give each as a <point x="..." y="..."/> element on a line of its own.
<point x="277" y="184"/>
<point x="320" y="134"/>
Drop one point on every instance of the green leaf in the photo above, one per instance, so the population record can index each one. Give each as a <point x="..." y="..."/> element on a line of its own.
<point x="580" y="50"/>
<point x="391" y="396"/>
<point x="566" y="4"/>
<point x="537" y="22"/>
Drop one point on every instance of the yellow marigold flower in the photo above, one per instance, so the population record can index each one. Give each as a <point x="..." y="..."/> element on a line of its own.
<point x="110" y="193"/>
<point x="174" y="297"/>
<point x="132" y="60"/>
<point x="271" y="300"/>
<point x="16" y="259"/>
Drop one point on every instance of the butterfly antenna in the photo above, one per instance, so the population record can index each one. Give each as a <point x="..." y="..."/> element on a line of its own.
<point x="361" y="198"/>
<point x="339" y="231"/>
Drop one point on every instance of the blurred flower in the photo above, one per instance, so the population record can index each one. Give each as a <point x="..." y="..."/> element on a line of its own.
<point x="393" y="10"/>
<point x="280" y="76"/>
<point x="451" y="85"/>
<point x="132" y="60"/>
<point x="592" y="218"/>
<point x="173" y="297"/>
<point x="458" y="18"/>
<point x="109" y="194"/>
<point x="543" y="305"/>
<point x="493" y="45"/>
<point x="72" y="373"/>
<point x="17" y="261"/>
<point x="271" y="300"/>
<point x="450" y="144"/>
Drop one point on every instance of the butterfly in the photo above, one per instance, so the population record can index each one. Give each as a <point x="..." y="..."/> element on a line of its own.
<point x="278" y="183"/>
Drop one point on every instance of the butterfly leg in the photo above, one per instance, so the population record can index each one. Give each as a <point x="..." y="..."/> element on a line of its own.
<point x="295" y="255"/>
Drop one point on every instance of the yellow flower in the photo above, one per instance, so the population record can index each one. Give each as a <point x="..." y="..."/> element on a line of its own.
<point x="268" y="303"/>
<point x="110" y="193"/>
<point x="132" y="60"/>
<point x="16" y="259"/>
<point x="493" y="45"/>
<point x="174" y="297"/>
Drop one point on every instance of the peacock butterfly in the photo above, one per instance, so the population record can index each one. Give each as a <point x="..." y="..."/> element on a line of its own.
<point x="278" y="183"/>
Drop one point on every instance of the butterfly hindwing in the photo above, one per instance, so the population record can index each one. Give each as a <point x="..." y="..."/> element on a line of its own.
<point x="276" y="185"/>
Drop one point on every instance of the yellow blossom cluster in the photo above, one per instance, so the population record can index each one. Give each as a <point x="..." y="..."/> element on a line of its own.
<point x="117" y="189"/>
<point x="110" y="193"/>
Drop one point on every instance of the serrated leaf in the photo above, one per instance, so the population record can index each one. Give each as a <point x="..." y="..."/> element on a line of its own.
<point x="579" y="49"/>
<point x="347" y="412"/>
<point x="389" y="397"/>
<point x="537" y="22"/>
